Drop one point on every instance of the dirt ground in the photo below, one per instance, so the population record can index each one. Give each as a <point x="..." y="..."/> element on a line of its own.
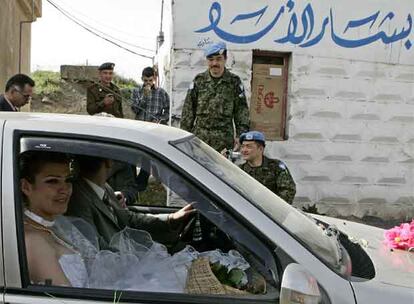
<point x="70" y="99"/>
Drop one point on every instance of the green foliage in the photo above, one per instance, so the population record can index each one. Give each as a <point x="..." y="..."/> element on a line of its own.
<point x="117" y="298"/>
<point x="124" y="83"/>
<point x="47" y="82"/>
<point x="154" y="195"/>
<point x="232" y="278"/>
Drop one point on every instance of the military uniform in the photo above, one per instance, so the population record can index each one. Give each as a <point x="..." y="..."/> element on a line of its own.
<point x="210" y="107"/>
<point x="94" y="100"/>
<point x="274" y="174"/>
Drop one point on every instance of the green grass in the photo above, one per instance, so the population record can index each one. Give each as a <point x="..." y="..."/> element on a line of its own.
<point x="124" y="83"/>
<point x="47" y="82"/>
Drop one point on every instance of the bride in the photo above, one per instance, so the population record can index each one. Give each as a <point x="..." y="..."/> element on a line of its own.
<point x="46" y="191"/>
<point x="64" y="251"/>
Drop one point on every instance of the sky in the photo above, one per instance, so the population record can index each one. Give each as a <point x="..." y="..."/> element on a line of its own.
<point x="56" y="40"/>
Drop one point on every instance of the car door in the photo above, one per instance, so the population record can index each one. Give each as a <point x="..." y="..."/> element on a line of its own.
<point x="271" y="248"/>
<point x="287" y="228"/>
<point x="17" y="287"/>
<point x="1" y="223"/>
<point x="20" y="287"/>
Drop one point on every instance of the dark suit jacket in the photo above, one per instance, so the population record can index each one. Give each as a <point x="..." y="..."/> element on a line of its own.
<point x="123" y="178"/>
<point x="4" y="105"/>
<point x="86" y="204"/>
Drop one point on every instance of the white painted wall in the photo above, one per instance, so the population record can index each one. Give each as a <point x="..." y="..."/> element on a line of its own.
<point x="350" y="110"/>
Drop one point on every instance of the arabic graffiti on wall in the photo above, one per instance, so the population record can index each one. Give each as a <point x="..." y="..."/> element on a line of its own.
<point x="305" y="29"/>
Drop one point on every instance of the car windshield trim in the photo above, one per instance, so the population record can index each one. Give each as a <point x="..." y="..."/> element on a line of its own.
<point x="309" y="234"/>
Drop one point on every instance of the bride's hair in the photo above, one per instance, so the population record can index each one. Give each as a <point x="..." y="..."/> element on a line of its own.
<point x="32" y="162"/>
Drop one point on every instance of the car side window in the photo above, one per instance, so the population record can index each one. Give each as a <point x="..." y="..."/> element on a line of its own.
<point x="83" y="227"/>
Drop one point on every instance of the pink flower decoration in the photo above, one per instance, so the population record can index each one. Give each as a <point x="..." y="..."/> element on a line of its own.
<point x="400" y="237"/>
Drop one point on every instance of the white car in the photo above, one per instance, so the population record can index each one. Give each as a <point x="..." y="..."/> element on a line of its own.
<point x="300" y="258"/>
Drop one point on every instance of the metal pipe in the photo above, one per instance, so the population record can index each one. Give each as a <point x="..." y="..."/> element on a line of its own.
<point x="162" y="14"/>
<point x="21" y="35"/>
<point x="160" y="37"/>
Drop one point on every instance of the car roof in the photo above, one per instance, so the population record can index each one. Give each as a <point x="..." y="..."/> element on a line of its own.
<point x="94" y="125"/>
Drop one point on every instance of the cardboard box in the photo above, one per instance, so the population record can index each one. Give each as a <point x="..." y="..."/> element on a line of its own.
<point x="267" y="109"/>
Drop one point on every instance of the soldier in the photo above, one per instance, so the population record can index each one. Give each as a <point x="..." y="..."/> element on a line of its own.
<point x="214" y="101"/>
<point x="272" y="173"/>
<point x="104" y="96"/>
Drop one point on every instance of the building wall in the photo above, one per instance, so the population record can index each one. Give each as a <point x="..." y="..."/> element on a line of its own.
<point x="12" y="13"/>
<point x="350" y="117"/>
<point x="164" y="54"/>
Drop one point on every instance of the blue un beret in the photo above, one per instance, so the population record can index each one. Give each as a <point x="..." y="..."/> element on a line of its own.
<point x="106" y="66"/>
<point x="215" y="49"/>
<point x="253" y="136"/>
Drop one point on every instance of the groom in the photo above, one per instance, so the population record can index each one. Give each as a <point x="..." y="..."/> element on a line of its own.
<point x="95" y="201"/>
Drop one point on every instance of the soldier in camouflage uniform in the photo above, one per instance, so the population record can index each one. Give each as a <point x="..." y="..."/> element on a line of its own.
<point x="215" y="99"/>
<point x="272" y="173"/>
<point x="104" y="96"/>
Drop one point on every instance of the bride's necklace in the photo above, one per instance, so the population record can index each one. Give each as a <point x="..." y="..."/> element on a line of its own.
<point x="38" y="219"/>
<point x="41" y="224"/>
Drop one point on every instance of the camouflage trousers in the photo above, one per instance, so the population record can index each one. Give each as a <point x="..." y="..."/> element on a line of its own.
<point x="218" y="140"/>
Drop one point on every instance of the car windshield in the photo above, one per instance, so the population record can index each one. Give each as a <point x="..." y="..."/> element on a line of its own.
<point x="298" y="224"/>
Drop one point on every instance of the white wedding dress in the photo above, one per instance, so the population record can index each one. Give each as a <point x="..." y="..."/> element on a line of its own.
<point x="137" y="262"/>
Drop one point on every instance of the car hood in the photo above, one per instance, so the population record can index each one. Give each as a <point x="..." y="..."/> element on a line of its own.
<point x="394" y="267"/>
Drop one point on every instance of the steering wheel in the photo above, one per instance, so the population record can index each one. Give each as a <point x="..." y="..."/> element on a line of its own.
<point x="184" y="237"/>
<point x="211" y="237"/>
<point x="188" y="228"/>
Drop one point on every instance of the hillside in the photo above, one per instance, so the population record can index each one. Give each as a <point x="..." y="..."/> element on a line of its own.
<point x="56" y="95"/>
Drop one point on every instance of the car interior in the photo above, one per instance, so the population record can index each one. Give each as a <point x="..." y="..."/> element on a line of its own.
<point x="214" y="225"/>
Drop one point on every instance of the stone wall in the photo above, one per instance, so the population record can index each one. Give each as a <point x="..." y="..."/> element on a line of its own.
<point x="79" y="73"/>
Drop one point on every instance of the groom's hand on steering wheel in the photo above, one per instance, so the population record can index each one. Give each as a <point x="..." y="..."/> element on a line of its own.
<point x="182" y="214"/>
<point x="177" y="218"/>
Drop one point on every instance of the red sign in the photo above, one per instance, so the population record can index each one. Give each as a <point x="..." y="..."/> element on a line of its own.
<point x="270" y="99"/>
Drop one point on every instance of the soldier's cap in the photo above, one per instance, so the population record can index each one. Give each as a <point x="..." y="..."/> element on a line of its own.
<point x="106" y="66"/>
<point x="253" y="136"/>
<point x="215" y="49"/>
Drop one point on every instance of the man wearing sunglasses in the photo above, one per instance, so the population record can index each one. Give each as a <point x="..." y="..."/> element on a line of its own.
<point x="19" y="91"/>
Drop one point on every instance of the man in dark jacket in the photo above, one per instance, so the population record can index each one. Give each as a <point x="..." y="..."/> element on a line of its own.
<point x="127" y="185"/>
<point x="19" y="91"/>
<point x="95" y="201"/>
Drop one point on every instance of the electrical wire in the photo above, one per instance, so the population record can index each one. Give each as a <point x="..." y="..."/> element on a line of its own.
<point x="91" y="29"/>
<point x="94" y="32"/>
<point x="129" y="34"/>
<point x="101" y="32"/>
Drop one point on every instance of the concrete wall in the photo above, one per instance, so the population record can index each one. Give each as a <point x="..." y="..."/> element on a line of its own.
<point x="164" y="54"/>
<point x="350" y="120"/>
<point x="12" y="14"/>
<point x="79" y="72"/>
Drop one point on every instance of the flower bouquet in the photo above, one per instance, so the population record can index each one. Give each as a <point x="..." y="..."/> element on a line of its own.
<point x="400" y="237"/>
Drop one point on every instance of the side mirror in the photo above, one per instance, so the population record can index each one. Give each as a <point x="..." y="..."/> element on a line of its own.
<point x="299" y="286"/>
